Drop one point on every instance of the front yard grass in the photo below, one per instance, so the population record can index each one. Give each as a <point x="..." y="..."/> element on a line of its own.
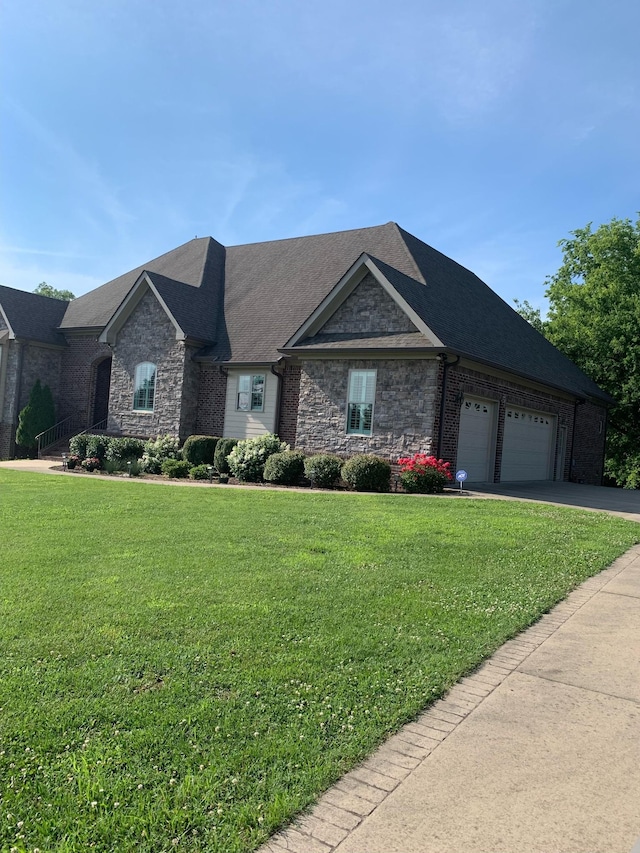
<point x="185" y="668"/>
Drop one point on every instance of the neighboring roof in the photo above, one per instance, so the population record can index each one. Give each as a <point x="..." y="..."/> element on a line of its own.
<point x="32" y="317"/>
<point x="196" y="264"/>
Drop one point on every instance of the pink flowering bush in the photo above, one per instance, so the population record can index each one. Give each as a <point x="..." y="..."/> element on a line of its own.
<point x="424" y="474"/>
<point x="91" y="463"/>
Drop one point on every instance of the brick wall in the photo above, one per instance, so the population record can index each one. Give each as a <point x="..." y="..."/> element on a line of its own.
<point x="11" y="351"/>
<point x="41" y="363"/>
<point x="77" y="383"/>
<point x="403" y="412"/>
<point x="212" y="393"/>
<point x="23" y="364"/>
<point x="588" y="452"/>
<point x="289" y="400"/>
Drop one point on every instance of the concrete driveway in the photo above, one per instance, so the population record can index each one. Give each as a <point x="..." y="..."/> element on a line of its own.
<point x="623" y="502"/>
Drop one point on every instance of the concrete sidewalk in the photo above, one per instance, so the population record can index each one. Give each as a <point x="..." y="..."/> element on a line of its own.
<point x="537" y="752"/>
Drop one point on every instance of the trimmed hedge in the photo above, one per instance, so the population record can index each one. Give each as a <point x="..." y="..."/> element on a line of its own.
<point x="285" y="469"/>
<point x="323" y="470"/>
<point x="176" y="469"/>
<point x="367" y="473"/>
<point x="223" y="449"/>
<point x="200" y="449"/>
<point x="199" y="472"/>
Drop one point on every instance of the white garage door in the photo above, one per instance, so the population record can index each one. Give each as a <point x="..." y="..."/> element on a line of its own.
<point x="476" y="439"/>
<point x="527" y="446"/>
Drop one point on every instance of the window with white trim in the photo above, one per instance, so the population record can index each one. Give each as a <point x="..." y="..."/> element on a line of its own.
<point x="144" y="387"/>
<point x="250" y="396"/>
<point x="362" y="394"/>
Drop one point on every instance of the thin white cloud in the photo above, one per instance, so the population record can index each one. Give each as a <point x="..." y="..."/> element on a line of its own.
<point x="84" y="178"/>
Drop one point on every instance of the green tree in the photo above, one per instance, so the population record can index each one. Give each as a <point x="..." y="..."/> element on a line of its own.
<point x="532" y="315"/>
<point x="44" y="289"/>
<point x="594" y="318"/>
<point x="38" y="415"/>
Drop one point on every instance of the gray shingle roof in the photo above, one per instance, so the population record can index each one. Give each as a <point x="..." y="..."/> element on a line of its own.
<point x="195" y="264"/>
<point x="248" y="301"/>
<point x="33" y="317"/>
<point x="271" y="288"/>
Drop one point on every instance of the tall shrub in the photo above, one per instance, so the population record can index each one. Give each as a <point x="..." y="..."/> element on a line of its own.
<point x="37" y="416"/>
<point x="200" y="449"/>
<point x="223" y="449"/>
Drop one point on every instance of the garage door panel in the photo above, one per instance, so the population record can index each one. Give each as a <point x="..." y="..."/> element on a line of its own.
<point x="527" y="445"/>
<point x="476" y="439"/>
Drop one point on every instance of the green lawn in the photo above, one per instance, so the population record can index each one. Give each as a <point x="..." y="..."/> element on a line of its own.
<point x="185" y="668"/>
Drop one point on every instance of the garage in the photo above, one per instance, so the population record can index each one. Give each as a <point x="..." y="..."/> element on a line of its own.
<point x="527" y="449"/>
<point x="476" y="439"/>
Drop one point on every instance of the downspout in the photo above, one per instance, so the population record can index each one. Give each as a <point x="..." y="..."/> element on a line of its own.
<point x="280" y="377"/>
<point x="443" y="399"/>
<point x="577" y="403"/>
<point x="18" y="392"/>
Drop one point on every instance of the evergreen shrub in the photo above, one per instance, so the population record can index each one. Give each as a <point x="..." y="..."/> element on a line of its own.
<point x="97" y="446"/>
<point x="285" y="469"/>
<point x="199" y="472"/>
<point x="323" y="470"/>
<point x="176" y="469"/>
<point x="200" y="449"/>
<point x="223" y="449"/>
<point x="366" y="472"/>
<point x="78" y="445"/>
<point x="37" y="416"/>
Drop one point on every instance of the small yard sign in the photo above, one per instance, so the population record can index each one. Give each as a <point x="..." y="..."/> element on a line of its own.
<point x="461" y="476"/>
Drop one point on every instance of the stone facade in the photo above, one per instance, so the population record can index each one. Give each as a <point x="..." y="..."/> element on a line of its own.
<point x="403" y="414"/>
<point x="149" y="335"/>
<point x="369" y="309"/>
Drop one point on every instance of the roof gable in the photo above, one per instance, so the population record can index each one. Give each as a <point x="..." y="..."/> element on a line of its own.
<point x="366" y="304"/>
<point x="195" y="264"/>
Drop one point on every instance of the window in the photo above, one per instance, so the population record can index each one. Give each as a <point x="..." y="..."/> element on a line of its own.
<point x="362" y="393"/>
<point x="145" y="387"/>
<point x="250" y="393"/>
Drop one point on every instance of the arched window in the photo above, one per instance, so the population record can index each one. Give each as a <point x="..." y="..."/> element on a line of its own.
<point x="145" y="387"/>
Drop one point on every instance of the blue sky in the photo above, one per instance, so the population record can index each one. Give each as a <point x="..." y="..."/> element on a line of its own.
<point x="489" y="130"/>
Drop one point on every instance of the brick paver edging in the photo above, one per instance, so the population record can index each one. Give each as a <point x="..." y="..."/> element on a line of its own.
<point x="357" y="794"/>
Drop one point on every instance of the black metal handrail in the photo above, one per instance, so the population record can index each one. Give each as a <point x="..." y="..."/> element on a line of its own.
<point x="65" y="427"/>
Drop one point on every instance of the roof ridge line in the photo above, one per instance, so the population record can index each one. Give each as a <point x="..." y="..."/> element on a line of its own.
<point x="412" y="260"/>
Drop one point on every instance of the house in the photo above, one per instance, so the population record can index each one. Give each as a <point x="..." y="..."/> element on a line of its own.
<point x="357" y="341"/>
